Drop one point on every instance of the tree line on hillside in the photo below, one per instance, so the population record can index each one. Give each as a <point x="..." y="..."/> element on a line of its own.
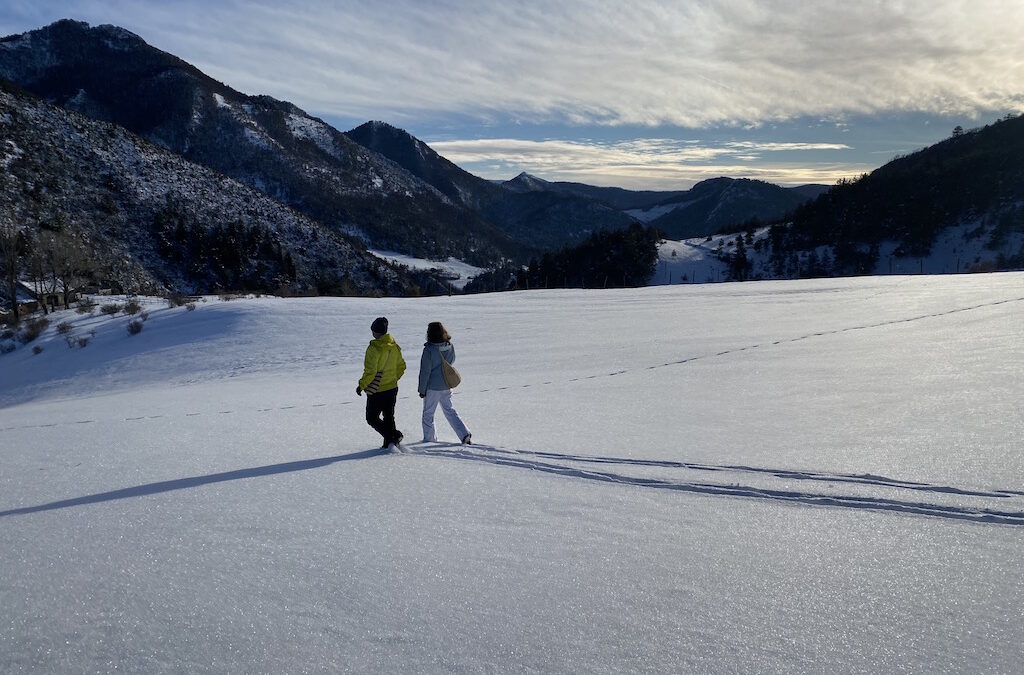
<point x="227" y="256"/>
<point x="606" y="259"/>
<point x="974" y="175"/>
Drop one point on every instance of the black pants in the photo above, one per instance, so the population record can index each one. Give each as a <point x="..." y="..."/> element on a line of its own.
<point x="380" y="414"/>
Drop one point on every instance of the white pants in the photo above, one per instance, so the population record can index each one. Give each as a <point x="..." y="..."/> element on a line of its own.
<point x="430" y="401"/>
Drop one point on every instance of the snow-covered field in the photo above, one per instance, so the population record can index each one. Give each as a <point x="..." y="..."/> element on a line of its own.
<point x="811" y="476"/>
<point x="457" y="272"/>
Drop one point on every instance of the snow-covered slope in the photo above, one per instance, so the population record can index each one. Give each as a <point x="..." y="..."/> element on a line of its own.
<point x="812" y="476"/>
<point x="456" y="272"/>
<point x="966" y="247"/>
<point x="110" y="74"/>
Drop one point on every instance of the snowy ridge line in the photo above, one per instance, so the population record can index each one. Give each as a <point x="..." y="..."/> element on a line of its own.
<point x="500" y="457"/>
<point x="616" y="373"/>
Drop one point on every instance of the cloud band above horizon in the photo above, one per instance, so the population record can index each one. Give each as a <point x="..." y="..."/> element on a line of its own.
<point x="560" y="89"/>
<point x="645" y="163"/>
<point x="594" y="62"/>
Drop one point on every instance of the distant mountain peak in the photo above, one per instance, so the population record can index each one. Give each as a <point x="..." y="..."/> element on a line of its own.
<point x="526" y="182"/>
<point x="110" y="74"/>
<point x="116" y="37"/>
<point x="386" y="139"/>
<point x="377" y="126"/>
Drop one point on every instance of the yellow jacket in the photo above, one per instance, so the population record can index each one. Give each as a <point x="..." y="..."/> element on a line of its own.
<point x="377" y="359"/>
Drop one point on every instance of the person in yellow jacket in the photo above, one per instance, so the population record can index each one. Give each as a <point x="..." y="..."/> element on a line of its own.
<point x="383" y="367"/>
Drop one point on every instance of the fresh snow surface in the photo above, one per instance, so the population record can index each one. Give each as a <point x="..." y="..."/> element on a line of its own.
<point x="311" y="130"/>
<point x="457" y="272"/>
<point x="688" y="261"/>
<point x="806" y="476"/>
<point x="954" y="250"/>
<point x="647" y="215"/>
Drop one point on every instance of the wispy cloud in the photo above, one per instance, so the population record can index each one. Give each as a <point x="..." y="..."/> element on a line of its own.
<point x="723" y="72"/>
<point x="784" y="147"/>
<point x="592" y="61"/>
<point x="645" y="163"/>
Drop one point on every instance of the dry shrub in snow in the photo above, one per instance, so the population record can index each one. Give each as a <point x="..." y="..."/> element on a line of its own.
<point x="33" y="329"/>
<point x="111" y="308"/>
<point x="176" y="300"/>
<point x="134" y="327"/>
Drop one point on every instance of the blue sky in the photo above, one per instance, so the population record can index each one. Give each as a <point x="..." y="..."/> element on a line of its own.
<point x="643" y="95"/>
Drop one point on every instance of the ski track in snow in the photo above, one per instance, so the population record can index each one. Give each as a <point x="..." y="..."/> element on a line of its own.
<point x="569" y="465"/>
<point x="561" y="464"/>
<point x="564" y="465"/>
<point x="691" y="359"/>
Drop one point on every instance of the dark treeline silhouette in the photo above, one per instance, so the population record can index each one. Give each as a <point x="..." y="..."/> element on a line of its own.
<point x="977" y="174"/>
<point x="616" y="259"/>
<point x="230" y="255"/>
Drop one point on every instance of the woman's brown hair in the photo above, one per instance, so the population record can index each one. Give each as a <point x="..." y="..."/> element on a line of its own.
<point x="436" y="332"/>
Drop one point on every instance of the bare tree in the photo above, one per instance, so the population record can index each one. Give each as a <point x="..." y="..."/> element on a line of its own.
<point x="72" y="265"/>
<point x="12" y="247"/>
<point x="40" y="268"/>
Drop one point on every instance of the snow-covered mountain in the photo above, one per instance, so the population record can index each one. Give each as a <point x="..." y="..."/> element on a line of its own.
<point x="711" y="205"/>
<point x="779" y="477"/>
<point x="153" y="221"/>
<point x="526" y="182"/>
<point x="422" y="161"/>
<point x="703" y="209"/>
<point x="112" y="75"/>
<point x="537" y="217"/>
<point x="383" y="185"/>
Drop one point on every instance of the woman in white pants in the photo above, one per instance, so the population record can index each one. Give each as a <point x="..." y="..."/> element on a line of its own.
<point x="433" y="389"/>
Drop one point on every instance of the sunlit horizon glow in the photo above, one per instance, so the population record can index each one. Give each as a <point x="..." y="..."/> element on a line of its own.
<point x="643" y="163"/>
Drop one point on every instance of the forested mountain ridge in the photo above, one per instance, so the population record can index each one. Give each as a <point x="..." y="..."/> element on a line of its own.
<point x="541" y="219"/>
<point x="973" y="179"/>
<point x="143" y="219"/>
<point x="112" y="75"/>
<point x="377" y="182"/>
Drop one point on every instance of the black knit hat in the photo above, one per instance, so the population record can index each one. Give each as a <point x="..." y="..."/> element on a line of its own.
<point x="379" y="325"/>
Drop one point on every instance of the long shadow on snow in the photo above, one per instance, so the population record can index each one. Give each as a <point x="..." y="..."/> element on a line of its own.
<point x="195" y="481"/>
<point x="506" y="458"/>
